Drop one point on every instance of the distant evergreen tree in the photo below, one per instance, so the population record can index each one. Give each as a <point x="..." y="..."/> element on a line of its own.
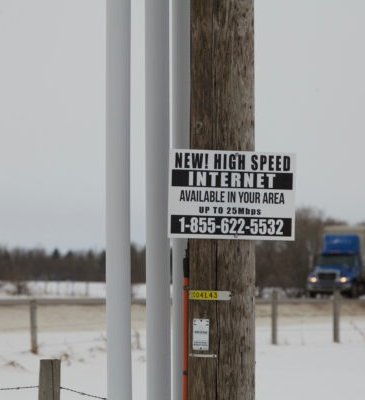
<point x="56" y="255"/>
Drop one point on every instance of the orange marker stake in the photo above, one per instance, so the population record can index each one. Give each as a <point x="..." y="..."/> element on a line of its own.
<point x="186" y="328"/>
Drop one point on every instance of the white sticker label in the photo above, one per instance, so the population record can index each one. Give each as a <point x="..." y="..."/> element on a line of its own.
<point x="201" y="334"/>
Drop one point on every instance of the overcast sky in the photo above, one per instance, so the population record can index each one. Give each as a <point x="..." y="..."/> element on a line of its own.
<point x="310" y="93"/>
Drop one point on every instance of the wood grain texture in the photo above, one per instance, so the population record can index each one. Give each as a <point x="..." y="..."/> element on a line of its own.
<point x="222" y="118"/>
<point x="49" y="380"/>
<point x="33" y="326"/>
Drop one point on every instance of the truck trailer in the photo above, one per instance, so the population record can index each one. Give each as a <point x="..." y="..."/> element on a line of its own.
<point x="340" y="263"/>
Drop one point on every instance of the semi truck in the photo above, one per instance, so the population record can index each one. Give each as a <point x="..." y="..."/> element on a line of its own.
<point x="340" y="266"/>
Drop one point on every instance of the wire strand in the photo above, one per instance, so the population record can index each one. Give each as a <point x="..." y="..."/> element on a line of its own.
<point x="83" y="393"/>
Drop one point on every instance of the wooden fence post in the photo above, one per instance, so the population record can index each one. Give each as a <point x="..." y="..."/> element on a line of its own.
<point x="274" y="317"/>
<point x="33" y="326"/>
<point x="336" y="316"/>
<point x="49" y="380"/>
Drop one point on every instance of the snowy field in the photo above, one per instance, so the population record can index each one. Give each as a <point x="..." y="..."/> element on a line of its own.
<point x="55" y="289"/>
<point x="63" y="289"/>
<point x="305" y="365"/>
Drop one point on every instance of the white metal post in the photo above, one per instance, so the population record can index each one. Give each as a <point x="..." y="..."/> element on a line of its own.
<point x="180" y="25"/>
<point x="157" y="243"/>
<point x="118" y="274"/>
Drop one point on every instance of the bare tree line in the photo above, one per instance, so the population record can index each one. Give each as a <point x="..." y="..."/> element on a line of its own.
<point x="279" y="264"/>
<point x="19" y="265"/>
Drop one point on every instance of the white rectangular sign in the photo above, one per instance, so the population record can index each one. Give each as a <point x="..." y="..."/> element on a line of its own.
<point x="201" y="334"/>
<point x="231" y="195"/>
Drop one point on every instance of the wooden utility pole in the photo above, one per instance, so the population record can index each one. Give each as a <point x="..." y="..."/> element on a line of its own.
<point x="222" y="118"/>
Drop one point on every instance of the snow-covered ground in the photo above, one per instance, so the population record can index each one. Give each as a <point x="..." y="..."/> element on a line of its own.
<point x="305" y="365"/>
<point x="63" y="289"/>
<point x="54" y="289"/>
<point x="302" y="367"/>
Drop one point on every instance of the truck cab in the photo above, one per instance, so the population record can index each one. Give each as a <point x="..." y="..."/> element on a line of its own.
<point x="339" y="266"/>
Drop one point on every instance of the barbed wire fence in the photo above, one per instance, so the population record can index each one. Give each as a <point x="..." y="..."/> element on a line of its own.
<point x="49" y="386"/>
<point x="18" y="388"/>
<point x="61" y="388"/>
<point x="82" y="393"/>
